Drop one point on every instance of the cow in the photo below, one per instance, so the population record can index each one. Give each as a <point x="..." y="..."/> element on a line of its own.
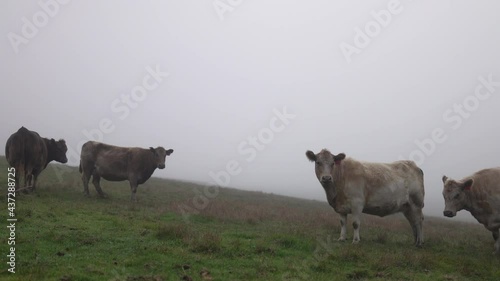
<point x="480" y="195"/>
<point x="115" y="163"/>
<point x="354" y="187"/>
<point x="30" y="154"/>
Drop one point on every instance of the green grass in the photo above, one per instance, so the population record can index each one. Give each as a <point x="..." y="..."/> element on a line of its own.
<point x="239" y="235"/>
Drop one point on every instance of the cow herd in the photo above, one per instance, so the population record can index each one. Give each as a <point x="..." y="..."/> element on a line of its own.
<point x="29" y="154"/>
<point x="351" y="186"/>
<point x="354" y="187"/>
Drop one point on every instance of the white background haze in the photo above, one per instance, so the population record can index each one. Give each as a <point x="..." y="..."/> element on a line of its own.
<point x="232" y="64"/>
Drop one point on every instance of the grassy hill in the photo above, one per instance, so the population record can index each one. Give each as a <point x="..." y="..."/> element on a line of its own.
<point x="174" y="233"/>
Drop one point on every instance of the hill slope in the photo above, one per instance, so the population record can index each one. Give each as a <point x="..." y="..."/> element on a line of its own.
<point x="184" y="231"/>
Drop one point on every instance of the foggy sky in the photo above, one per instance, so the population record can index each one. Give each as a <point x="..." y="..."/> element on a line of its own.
<point x="221" y="79"/>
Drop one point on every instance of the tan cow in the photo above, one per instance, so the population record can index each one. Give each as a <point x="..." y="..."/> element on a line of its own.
<point x="115" y="163"/>
<point x="354" y="187"/>
<point x="480" y="195"/>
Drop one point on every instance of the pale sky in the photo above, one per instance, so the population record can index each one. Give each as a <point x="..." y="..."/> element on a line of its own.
<point x="249" y="86"/>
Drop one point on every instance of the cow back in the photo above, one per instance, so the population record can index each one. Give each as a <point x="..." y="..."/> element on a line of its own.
<point x="25" y="149"/>
<point x="486" y="189"/>
<point x="381" y="187"/>
<point x="117" y="163"/>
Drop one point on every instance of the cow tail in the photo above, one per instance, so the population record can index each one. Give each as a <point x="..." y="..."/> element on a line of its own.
<point x="22" y="165"/>
<point x="23" y="169"/>
<point x="80" y="167"/>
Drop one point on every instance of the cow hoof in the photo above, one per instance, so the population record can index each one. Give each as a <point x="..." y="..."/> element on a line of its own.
<point x="355" y="241"/>
<point x="341" y="239"/>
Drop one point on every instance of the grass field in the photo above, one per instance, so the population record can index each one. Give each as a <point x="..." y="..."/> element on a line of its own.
<point x="174" y="234"/>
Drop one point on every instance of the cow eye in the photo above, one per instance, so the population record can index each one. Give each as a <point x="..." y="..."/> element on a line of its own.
<point x="318" y="163"/>
<point x="456" y="196"/>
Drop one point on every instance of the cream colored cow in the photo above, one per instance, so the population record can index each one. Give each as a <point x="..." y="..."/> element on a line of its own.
<point x="354" y="187"/>
<point x="480" y="195"/>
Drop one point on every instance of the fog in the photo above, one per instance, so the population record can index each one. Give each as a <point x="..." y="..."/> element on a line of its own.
<point x="241" y="89"/>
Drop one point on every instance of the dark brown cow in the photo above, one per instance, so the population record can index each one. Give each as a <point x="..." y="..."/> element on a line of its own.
<point x="114" y="163"/>
<point x="30" y="154"/>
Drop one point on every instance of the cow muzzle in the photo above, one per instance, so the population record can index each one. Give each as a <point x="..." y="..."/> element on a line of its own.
<point x="449" y="214"/>
<point x="326" y="179"/>
<point x="161" y="166"/>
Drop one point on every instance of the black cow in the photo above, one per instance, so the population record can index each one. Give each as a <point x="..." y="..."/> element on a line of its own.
<point x="30" y="154"/>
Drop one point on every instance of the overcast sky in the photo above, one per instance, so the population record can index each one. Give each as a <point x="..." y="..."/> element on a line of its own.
<point x="246" y="87"/>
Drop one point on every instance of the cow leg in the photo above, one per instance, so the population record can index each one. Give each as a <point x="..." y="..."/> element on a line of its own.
<point x="85" y="180"/>
<point x="21" y="177"/>
<point x="415" y="218"/>
<point x="411" y="219"/>
<point x="96" y="182"/>
<point x="497" y="241"/>
<point x="356" y="223"/>
<point x="343" y="227"/>
<point x="420" y="228"/>
<point x="34" y="178"/>
<point x="86" y="174"/>
<point x="17" y="178"/>
<point x="29" y="181"/>
<point x="133" y="188"/>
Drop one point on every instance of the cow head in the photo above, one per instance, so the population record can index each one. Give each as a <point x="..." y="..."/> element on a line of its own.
<point x="455" y="197"/>
<point x="160" y="155"/>
<point x="57" y="150"/>
<point x="325" y="161"/>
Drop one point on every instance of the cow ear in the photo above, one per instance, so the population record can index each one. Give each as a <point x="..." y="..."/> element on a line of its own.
<point x="170" y="151"/>
<point x="152" y="150"/>
<point x="311" y="156"/>
<point x="468" y="184"/>
<point x="52" y="141"/>
<point x="338" y="158"/>
<point x="445" y="178"/>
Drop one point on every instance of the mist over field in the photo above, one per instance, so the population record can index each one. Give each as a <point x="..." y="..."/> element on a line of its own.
<point x="241" y="89"/>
